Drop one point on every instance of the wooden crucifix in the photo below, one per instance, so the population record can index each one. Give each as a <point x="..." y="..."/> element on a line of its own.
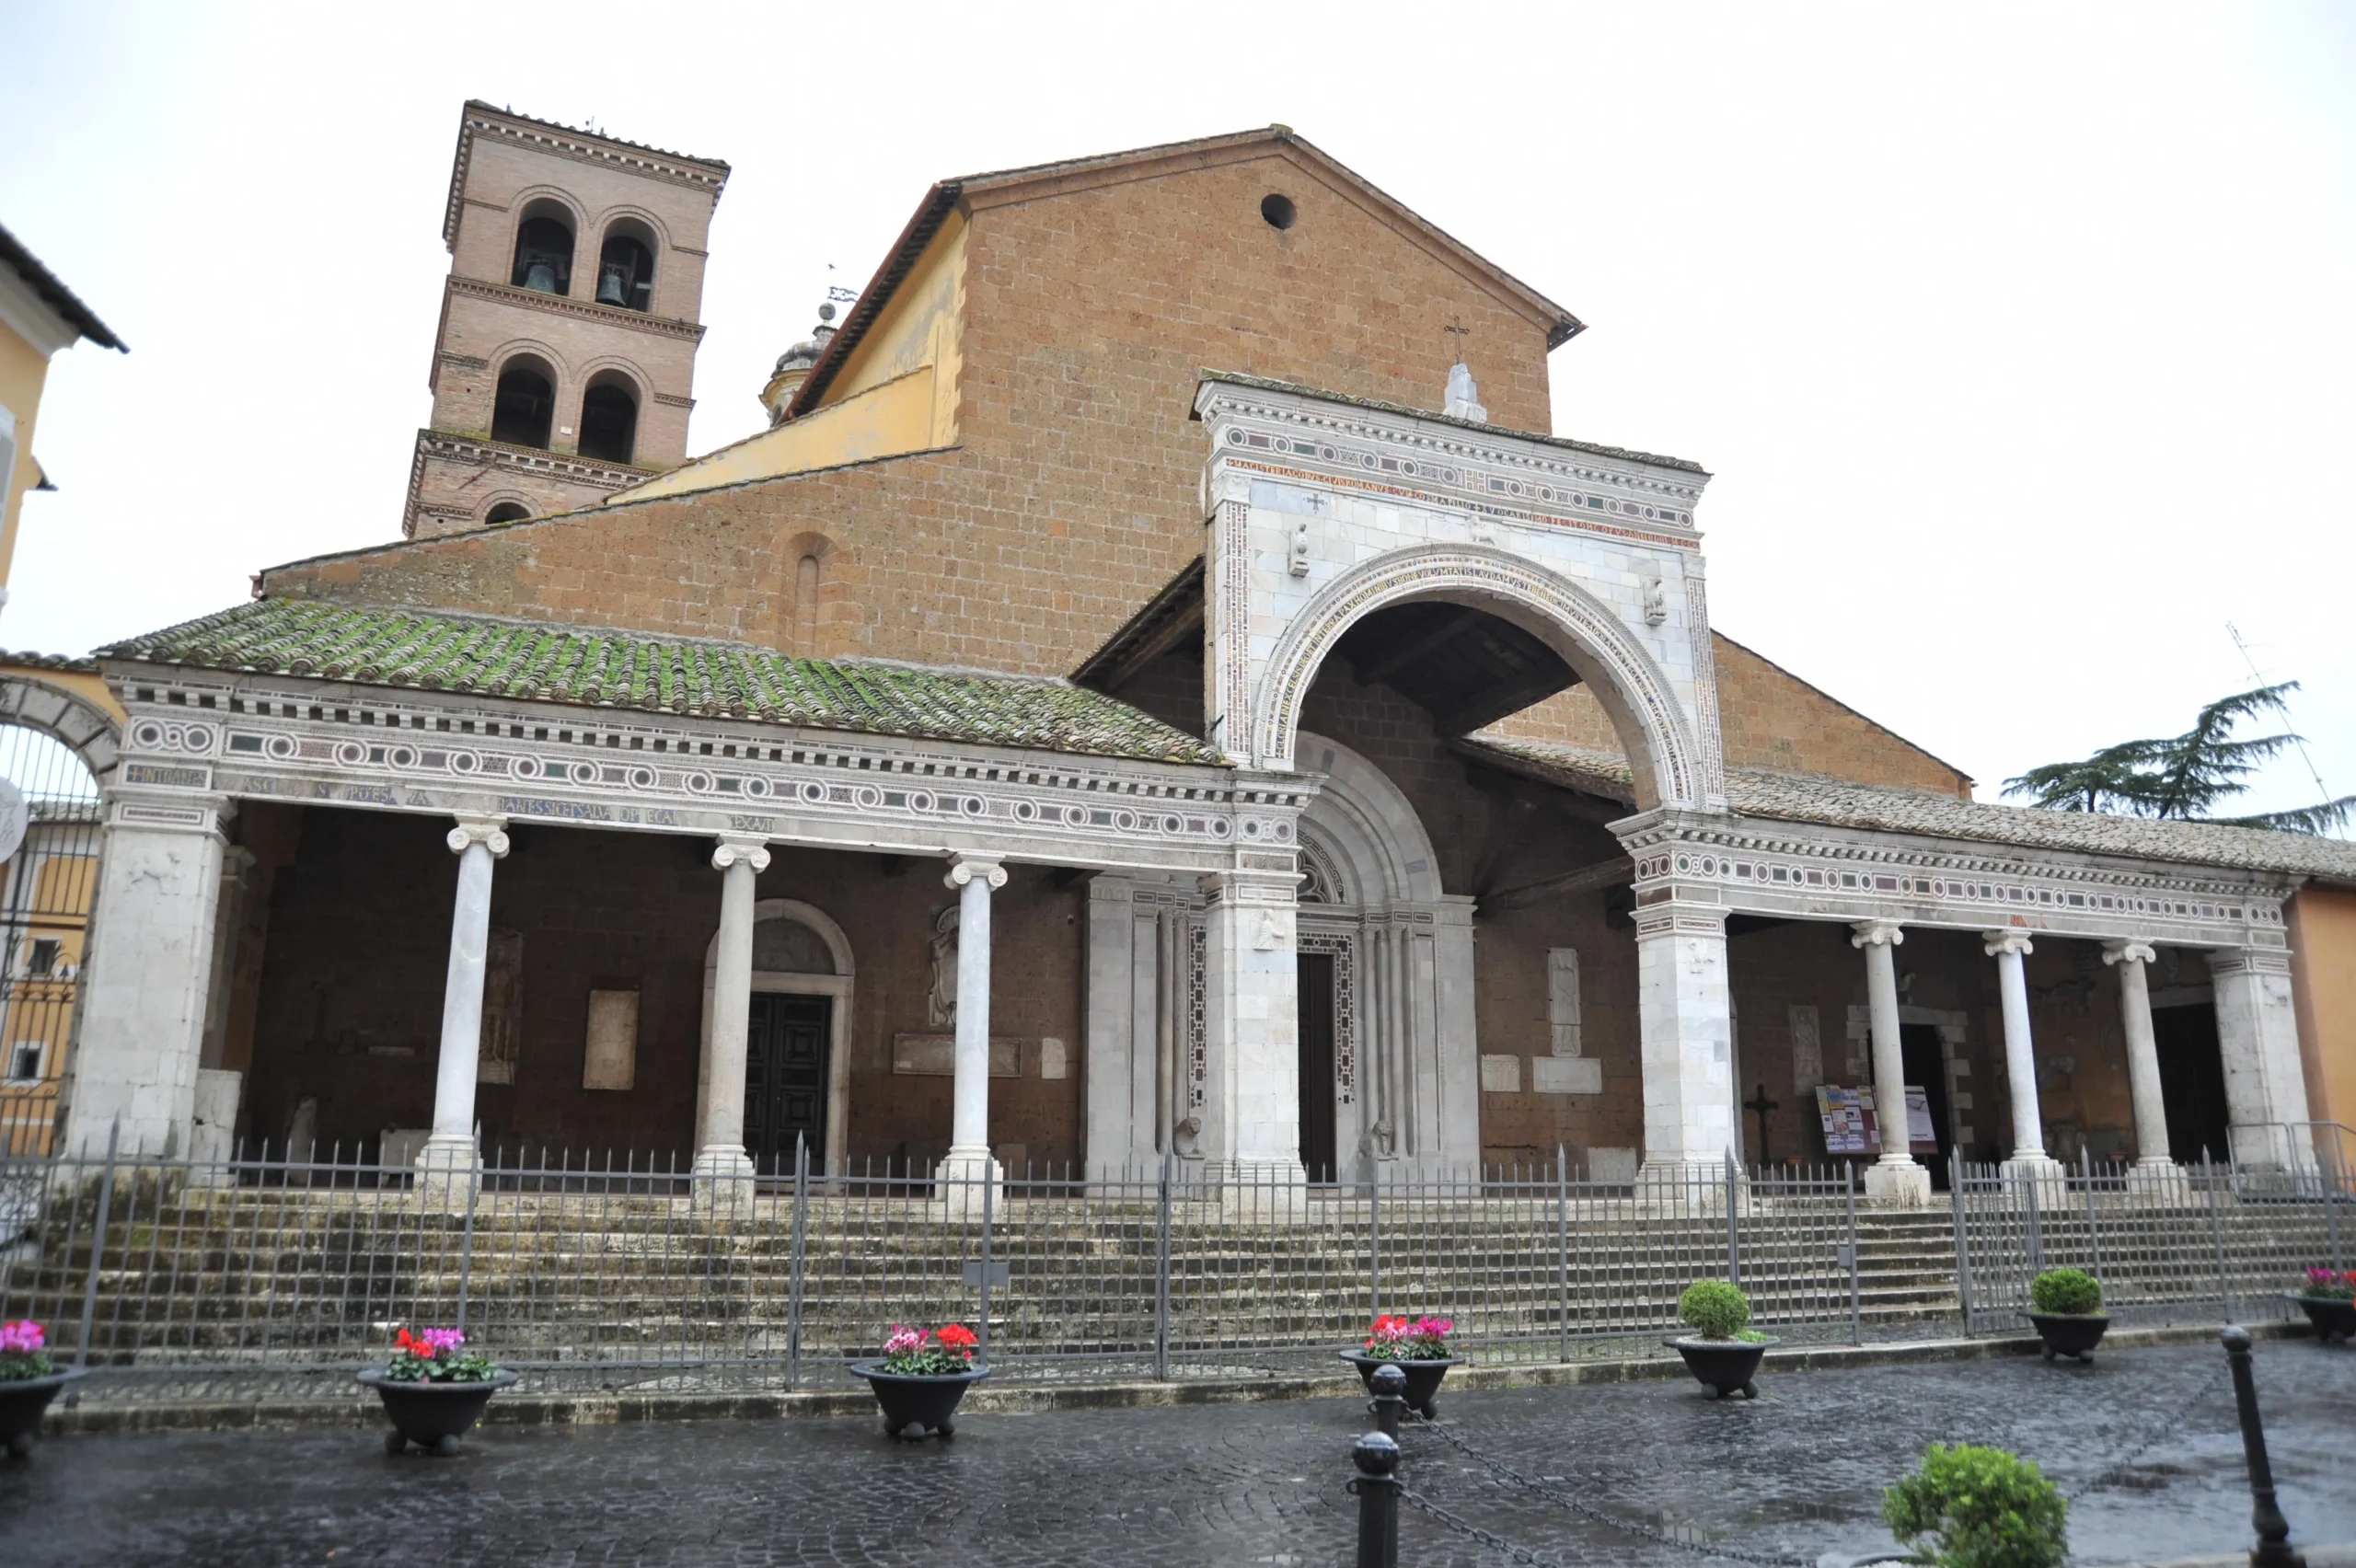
<point x="1456" y="329"/>
<point x="1758" y="1105"/>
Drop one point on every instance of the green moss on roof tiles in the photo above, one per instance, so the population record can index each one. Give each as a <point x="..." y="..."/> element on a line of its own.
<point x="584" y="666"/>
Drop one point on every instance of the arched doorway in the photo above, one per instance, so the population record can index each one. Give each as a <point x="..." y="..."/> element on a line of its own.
<point x="797" y="1077"/>
<point x="1388" y="1075"/>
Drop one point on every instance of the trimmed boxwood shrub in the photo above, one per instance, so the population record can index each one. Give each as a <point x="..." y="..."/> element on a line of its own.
<point x="1714" y="1308"/>
<point x="1974" y="1507"/>
<point x="2070" y="1292"/>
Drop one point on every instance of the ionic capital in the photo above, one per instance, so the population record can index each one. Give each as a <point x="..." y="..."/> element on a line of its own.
<point x="1876" y="933"/>
<point x="2128" y="951"/>
<point x="735" y="849"/>
<point x="1996" y="943"/>
<point x="965" y="867"/>
<point x="491" y="832"/>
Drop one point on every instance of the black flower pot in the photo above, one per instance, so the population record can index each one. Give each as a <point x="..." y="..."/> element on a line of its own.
<point x="2330" y="1315"/>
<point x="432" y="1415"/>
<point x="1727" y="1365"/>
<point x="915" y="1406"/>
<point x="2069" y="1334"/>
<point x="1423" y="1378"/>
<point x="21" y="1403"/>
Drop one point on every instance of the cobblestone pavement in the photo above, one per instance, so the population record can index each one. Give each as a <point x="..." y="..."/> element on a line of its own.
<point x="2143" y="1441"/>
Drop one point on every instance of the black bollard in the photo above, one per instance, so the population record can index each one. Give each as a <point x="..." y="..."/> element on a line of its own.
<point x="2273" y="1548"/>
<point x="1389" y="1403"/>
<point x="1378" y="1494"/>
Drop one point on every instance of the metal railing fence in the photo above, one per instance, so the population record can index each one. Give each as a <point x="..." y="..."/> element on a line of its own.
<point x="260" y="1274"/>
<point x="2170" y="1243"/>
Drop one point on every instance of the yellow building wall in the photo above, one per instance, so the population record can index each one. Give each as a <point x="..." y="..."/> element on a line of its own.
<point x="895" y="394"/>
<point x="2323" y="985"/>
<point x="85" y="685"/>
<point x="23" y="370"/>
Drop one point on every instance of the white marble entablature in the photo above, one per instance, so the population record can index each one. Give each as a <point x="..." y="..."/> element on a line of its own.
<point x="1809" y="871"/>
<point x="274" y="737"/>
<point x="1325" y="511"/>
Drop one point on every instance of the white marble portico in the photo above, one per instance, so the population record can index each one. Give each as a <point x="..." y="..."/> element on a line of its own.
<point x="200" y="739"/>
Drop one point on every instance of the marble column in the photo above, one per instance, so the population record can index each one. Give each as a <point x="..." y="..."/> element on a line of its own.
<point x="2258" y="1037"/>
<point x="2143" y="1053"/>
<point x="720" y="1131"/>
<point x="145" y="975"/>
<point x="2029" y="1156"/>
<point x="1895" y="1178"/>
<point x="478" y="841"/>
<point x="1251" y="1041"/>
<point x="969" y="1161"/>
<point x="1685" y="1035"/>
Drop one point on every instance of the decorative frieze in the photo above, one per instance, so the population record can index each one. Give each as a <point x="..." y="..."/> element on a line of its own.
<point x="1796" y="870"/>
<point x="426" y="751"/>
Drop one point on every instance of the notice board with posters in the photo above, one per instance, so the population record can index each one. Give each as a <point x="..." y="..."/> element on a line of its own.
<point x="1851" y="1126"/>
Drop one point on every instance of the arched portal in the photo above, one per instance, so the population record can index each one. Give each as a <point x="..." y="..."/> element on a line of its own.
<point x="798" y="951"/>
<point x="1388" y="1062"/>
<point x="1670" y="764"/>
<point x="81" y="725"/>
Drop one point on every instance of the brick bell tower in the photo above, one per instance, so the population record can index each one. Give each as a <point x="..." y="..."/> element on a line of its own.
<point x="565" y="364"/>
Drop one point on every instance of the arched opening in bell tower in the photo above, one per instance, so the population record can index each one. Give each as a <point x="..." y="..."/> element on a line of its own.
<point x="610" y="418"/>
<point x="525" y="406"/>
<point x="626" y="265"/>
<point x="543" y="250"/>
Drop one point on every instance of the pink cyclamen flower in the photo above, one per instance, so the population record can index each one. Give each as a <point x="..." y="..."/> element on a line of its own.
<point x="21" y="1338"/>
<point x="1433" y="1328"/>
<point x="903" y="1341"/>
<point x="439" y="1341"/>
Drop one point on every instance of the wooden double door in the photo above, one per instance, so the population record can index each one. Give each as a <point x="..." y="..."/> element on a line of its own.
<point x="785" y="1080"/>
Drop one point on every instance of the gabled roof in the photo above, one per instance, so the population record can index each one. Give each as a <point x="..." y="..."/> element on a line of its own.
<point x="1836" y="802"/>
<point x="540" y="662"/>
<point x="53" y="293"/>
<point x="1077" y="174"/>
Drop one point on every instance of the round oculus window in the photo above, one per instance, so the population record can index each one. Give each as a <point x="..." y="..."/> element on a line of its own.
<point x="1279" y="210"/>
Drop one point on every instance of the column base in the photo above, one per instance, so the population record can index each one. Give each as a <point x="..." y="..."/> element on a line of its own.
<point x="723" y="1162"/>
<point x="1270" y="1191"/>
<point x="448" y="1165"/>
<point x="1898" y="1183"/>
<point x="1686" y="1186"/>
<point x="964" y="1176"/>
<point x="2046" y="1174"/>
<point x="2157" y="1173"/>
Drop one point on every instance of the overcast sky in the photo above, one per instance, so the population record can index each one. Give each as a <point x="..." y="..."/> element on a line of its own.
<point x="2021" y="340"/>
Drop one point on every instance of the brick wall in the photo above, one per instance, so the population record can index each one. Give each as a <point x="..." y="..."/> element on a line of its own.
<point x="1073" y="495"/>
<point x="1767" y="717"/>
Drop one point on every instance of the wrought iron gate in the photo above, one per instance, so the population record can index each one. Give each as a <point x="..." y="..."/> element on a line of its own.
<point x="49" y="830"/>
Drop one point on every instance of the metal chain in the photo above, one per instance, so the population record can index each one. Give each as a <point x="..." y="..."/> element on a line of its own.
<point x="1589" y="1511"/>
<point x="2167" y="1425"/>
<point x="1522" y="1555"/>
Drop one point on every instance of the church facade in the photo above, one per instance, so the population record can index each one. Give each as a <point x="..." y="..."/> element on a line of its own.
<point x="1153" y="692"/>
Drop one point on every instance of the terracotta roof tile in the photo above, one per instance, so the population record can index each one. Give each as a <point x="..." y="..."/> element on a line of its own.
<point x="540" y="662"/>
<point x="1837" y="802"/>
